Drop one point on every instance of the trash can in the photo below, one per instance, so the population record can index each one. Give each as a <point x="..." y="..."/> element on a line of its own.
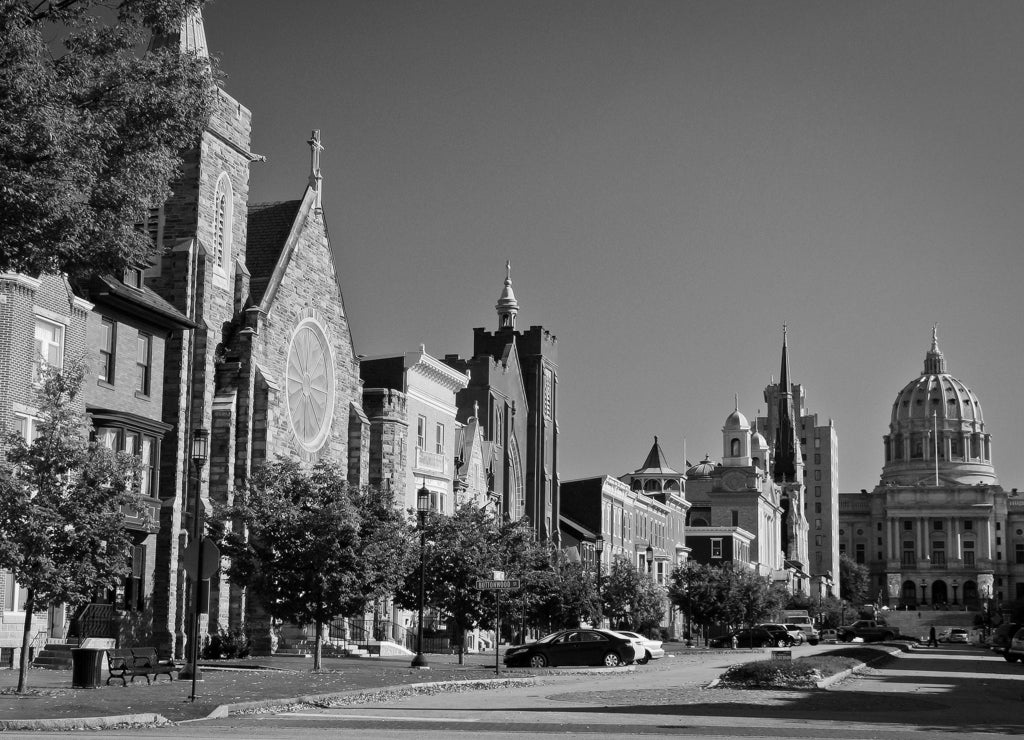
<point x="86" y="667"/>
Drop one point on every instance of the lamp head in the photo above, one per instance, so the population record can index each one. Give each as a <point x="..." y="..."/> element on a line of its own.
<point x="423" y="501"/>
<point x="200" y="446"/>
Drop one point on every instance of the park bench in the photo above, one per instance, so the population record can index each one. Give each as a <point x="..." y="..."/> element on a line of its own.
<point x="137" y="662"/>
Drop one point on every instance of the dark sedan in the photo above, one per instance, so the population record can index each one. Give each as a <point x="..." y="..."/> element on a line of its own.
<point x="754" y="637"/>
<point x="576" y="647"/>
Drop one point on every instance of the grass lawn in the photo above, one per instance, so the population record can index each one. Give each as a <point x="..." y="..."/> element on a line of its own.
<point x="801" y="673"/>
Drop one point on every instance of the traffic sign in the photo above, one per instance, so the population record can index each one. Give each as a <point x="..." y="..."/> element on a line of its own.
<point x="211" y="558"/>
<point x="494" y="585"/>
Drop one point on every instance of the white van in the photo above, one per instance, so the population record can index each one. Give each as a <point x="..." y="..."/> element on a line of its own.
<point x="801" y="618"/>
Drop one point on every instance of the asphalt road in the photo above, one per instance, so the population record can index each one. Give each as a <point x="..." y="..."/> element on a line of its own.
<point x="955" y="690"/>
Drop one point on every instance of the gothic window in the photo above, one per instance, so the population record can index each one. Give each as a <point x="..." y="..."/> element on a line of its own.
<point x="222" y="222"/>
<point x="547" y="394"/>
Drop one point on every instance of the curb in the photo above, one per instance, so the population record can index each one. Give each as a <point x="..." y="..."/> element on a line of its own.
<point x="83" y="723"/>
<point x="836" y="678"/>
<point x="224" y="710"/>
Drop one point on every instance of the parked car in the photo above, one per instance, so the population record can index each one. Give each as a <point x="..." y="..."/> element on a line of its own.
<point x="576" y="647"/>
<point x="955" y="635"/>
<point x="828" y="635"/>
<point x="796" y="632"/>
<point x="1015" y="650"/>
<point x="1001" y="636"/>
<point x="652" y="648"/>
<point x="754" y="637"/>
<point x="869" y="630"/>
<point x="793" y="630"/>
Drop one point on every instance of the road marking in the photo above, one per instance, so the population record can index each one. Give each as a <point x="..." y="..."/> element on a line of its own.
<point x="290" y="715"/>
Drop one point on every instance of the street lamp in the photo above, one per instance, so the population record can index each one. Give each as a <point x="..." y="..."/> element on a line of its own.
<point x="649" y="557"/>
<point x="956" y="585"/>
<point x="422" y="509"/>
<point x="598" y="550"/>
<point x="199" y="454"/>
<point x="924" y="585"/>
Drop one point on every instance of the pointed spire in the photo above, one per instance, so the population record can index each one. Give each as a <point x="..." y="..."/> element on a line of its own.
<point x="784" y="454"/>
<point x="507" y="306"/>
<point x="316" y="180"/>
<point x="934" y="362"/>
<point x="188" y="38"/>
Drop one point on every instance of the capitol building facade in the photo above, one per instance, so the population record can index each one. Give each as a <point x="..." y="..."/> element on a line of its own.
<point x="938" y="529"/>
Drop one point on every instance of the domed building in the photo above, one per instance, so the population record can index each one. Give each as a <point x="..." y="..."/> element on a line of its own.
<point x="938" y="529"/>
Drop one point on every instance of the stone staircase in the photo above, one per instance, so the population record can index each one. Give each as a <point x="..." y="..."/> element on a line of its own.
<point x="54" y="656"/>
<point x="912" y="625"/>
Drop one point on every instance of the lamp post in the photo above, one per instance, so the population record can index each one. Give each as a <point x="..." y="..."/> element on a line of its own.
<point x="199" y="454"/>
<point x="956" y="585"/>
<point x="422" y="509"/>
<point x="924" y="585"/>
<point x="649" y="557"/>
<point x="598" y="550"/>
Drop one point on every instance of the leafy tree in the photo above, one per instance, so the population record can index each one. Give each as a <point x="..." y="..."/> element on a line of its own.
<point x="309" y="545"/>
<point x="461" y="549"/>
<point x="62" y="530"/>
<point x="631" y="598"/>
<point x="523" y="557"/>
<point x="565" y="594"/>
<point x="91" y="129"/>
<point x="854" y="580"/>
<point x="728" y="594"/>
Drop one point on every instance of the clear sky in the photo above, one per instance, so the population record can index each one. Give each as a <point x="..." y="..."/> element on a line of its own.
<point x="672" y="182"/>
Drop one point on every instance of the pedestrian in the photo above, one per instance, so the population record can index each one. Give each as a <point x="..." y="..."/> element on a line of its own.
<point x="932" y="640"/>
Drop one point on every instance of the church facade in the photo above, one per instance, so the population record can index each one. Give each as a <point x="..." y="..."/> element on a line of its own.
<point x="270" y="368"/>
<point x="938" y="528"/>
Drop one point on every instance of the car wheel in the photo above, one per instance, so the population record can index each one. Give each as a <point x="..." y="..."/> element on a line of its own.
<point x="765" y="643"/>
<point x="645" y="660"/>
<point x="812" y="641"/>
<point x="887" y="636"/>
<point x="846" y="637"/>
<point x="538" y="661"/>
<point x="780" y="643"/>
<point x="611" y="660"/>
<point x="1010" y="658"/>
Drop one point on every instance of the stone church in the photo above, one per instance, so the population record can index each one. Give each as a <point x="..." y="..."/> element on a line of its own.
<point x="270" y="368"/>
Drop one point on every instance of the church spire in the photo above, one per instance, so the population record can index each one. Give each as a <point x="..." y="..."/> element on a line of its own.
<point x="934" y="362"/>
<point x="507" y="306"/>
<point x="784" y="455"/>
<point x="316" y="180"/>
<point x="188" y="38"/>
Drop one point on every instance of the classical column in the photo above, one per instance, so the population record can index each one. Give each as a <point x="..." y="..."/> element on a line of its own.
<point x="922" y="538"/>
<point x="986" y="545"/>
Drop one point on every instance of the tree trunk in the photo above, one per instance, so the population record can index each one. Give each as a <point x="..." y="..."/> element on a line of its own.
<point x="462" y="645"/>
<point x="26" y="641"/>
<point x="318" y="649"/>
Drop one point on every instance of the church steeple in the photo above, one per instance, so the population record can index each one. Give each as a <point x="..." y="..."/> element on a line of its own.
<point x="934" y="362"/>
<point x="188" y="38"/>
<point x="784" y="455"/>
<point x="507" y="306"/>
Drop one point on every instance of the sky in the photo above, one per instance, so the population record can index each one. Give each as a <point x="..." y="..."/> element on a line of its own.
<point x="672" y="182"/>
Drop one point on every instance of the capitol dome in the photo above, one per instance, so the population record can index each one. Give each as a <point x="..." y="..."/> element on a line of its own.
<point x="936" y="416"/>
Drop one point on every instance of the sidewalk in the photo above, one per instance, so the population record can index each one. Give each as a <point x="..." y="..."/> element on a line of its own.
<point x="51" y="697"/>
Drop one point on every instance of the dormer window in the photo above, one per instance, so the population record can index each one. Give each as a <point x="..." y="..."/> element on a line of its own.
<point x="133" y="277"/>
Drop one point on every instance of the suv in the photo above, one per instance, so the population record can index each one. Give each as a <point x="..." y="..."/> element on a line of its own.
<point x="1015" y="651"/>
<point x="795" y="634"/>
<point x="1001" y="636"/>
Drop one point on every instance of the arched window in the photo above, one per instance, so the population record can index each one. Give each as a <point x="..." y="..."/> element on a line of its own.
<point x="916" y="446"/>
<point x="734" y="448"/>
<point x="223" y="203"/>
<point x="636" y="485"/>
<point x="652" y="485"/>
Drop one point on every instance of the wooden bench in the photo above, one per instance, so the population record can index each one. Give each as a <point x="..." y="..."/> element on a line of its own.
<point x="137" y="662"/>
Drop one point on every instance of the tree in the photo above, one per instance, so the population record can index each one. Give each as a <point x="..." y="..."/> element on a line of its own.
<point x="310" y="546"/>
<point x="565" y="594"/>
<point x="461" y="549"/>
<point x="62" y="530"/>
<point x="728" y="594"/>
<point x="91" y="134"/>
<point x="854" y="580"/>
<point x="631" y="598"/>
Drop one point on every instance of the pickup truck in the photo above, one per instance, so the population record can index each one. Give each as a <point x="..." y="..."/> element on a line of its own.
<point x="870" y="630"/>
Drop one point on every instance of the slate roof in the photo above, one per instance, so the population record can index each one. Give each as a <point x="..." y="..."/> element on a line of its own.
<point x="268" y="227"/>
<point x="110" y="290"/>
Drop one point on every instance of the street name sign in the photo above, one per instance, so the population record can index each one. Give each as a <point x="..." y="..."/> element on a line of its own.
<point x="494" y="585"/>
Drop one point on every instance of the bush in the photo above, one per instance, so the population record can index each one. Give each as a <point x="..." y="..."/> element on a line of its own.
<point x="233" y="643"/>
<point x="800" y="673"/>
